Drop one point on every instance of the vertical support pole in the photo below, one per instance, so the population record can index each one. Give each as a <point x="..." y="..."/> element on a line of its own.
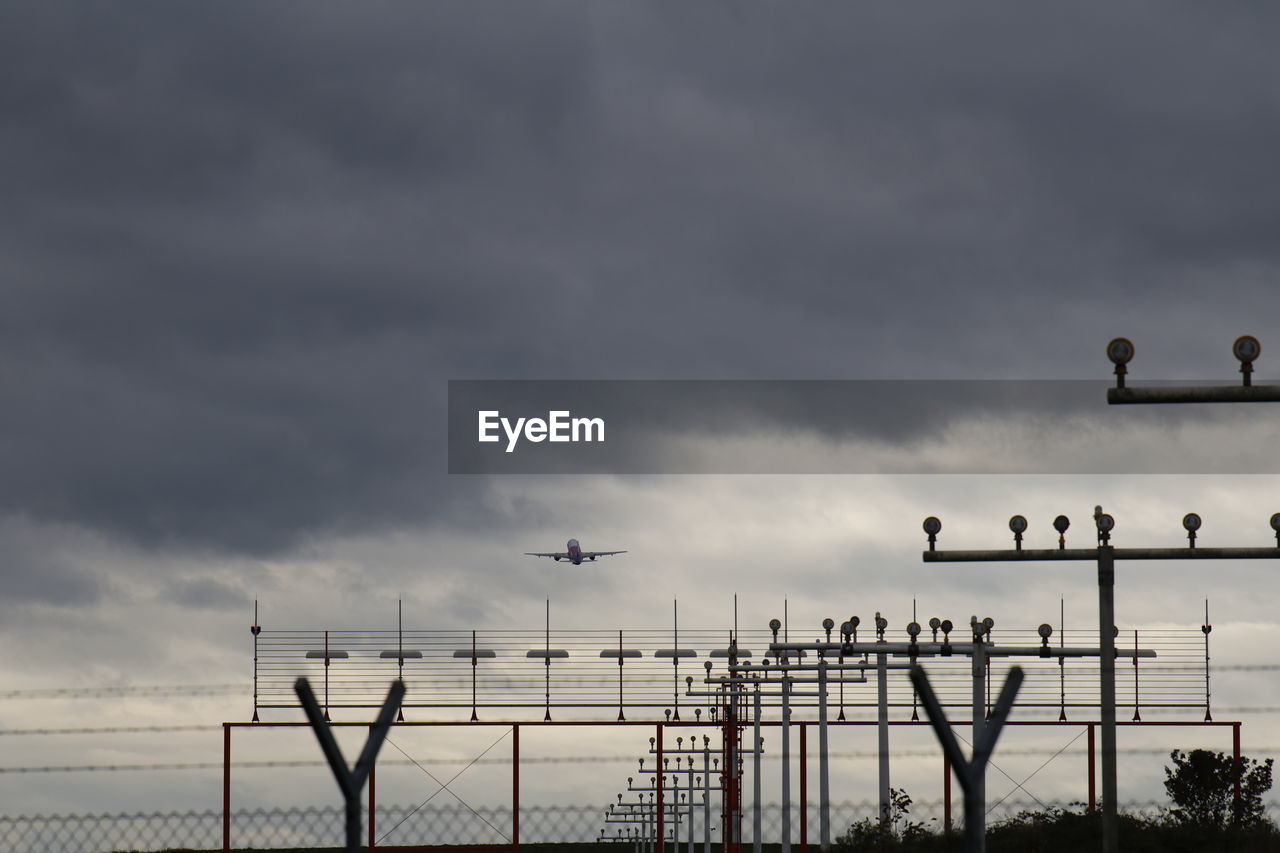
<point x="373" y="806"/>
<point x="475" y="661"/>
<point x="755" y="809"/>
<point x="255" y="629"/>
<point x="226" y="788"/>
<point x="326" y="676"/>
<point x="975" y="797"/>
<point x="1107" y="645"/>
<point x="882" y="713"/>
<point x="515" y="788"/>
<point x="726" y="777"/>
<point x="804" y="788"/>
<point x="689" y="829"/>
<point x="824" y="776"/>
<point x="1093" y="776"/>
<point x="706" y="798"/>
<point x="786" y="764"/>
<point x="1235" y="753"/>
<point x="946" y="793"/>
<point x="661" y="828"/>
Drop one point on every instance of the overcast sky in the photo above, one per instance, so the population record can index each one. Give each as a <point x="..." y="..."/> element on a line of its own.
<point x="244" y="246"/>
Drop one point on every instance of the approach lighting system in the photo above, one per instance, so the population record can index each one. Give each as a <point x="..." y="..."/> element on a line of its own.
<point x="1046" y="631"/>
<point x="1060" y="524"/>
<point x="1120" y="351"/>
<point x="1191" y="523"/>
<point x="1018" y="524"/>
<point x="931" y="527"/>
<point x="1105" y="525"/>
<point x="1246" y="349"/>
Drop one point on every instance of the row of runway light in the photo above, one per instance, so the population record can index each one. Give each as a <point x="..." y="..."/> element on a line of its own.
<point x="779" y="676"/>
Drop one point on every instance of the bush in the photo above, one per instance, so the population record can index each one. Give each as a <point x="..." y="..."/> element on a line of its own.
<point x="1202" y="787"/>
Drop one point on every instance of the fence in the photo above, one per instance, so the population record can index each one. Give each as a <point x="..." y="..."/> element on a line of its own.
<point x="322" y="826"/>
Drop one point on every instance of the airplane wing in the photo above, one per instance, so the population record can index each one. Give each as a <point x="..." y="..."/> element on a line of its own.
<point x="591" y="555"/>
<point x="553" y="555"/>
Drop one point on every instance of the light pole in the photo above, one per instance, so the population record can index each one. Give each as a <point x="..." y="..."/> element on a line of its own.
<point x="980" y="650"/>
<point x="1105" y="556"/>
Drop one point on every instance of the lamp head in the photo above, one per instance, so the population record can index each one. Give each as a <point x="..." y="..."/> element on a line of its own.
<point x="1246" y="348"/>
<point x="1120" y="351"/>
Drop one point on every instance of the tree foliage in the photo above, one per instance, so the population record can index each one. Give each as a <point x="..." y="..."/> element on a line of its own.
<point x="1202" y="784"/>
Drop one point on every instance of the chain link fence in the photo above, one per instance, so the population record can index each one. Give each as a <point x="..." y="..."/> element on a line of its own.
<point x="300" y="828"/>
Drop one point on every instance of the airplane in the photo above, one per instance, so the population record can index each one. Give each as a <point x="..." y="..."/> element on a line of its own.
<point x="575" y="554"/>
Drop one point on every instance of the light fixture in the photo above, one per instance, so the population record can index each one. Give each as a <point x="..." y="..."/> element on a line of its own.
<point x="1018" y="524"/>
<point x="931" y="527"/>
<point x="1191" y="523"/>
<point x="1120" y="351"/>
<point x="1246" y="349"/>
<point x="1060" y="524"/>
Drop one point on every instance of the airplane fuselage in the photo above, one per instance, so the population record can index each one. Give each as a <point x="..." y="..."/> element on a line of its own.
<point x="573" y="553"/>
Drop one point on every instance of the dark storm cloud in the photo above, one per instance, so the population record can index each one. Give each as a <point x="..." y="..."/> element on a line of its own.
<point x="245" y="244"/>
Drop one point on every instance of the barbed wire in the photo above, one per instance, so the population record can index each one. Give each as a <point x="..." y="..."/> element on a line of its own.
<point x="550" y="759"/>
<point x="110" y="730"/>
<point x="119" y="691"/>
<point x="170" y="690"/>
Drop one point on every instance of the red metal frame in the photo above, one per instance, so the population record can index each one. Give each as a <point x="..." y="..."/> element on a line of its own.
<point x="732" y="815"/>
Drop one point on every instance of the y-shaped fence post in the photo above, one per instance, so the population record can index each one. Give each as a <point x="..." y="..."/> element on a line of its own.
<point x="972" y="773"/>
<point x="350" y="782"/>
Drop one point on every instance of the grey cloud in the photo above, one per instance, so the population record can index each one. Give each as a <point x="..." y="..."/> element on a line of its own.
<point x="40" y="568"/>
<point x="203" y="593"/>
<point x="249" y="243"/>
